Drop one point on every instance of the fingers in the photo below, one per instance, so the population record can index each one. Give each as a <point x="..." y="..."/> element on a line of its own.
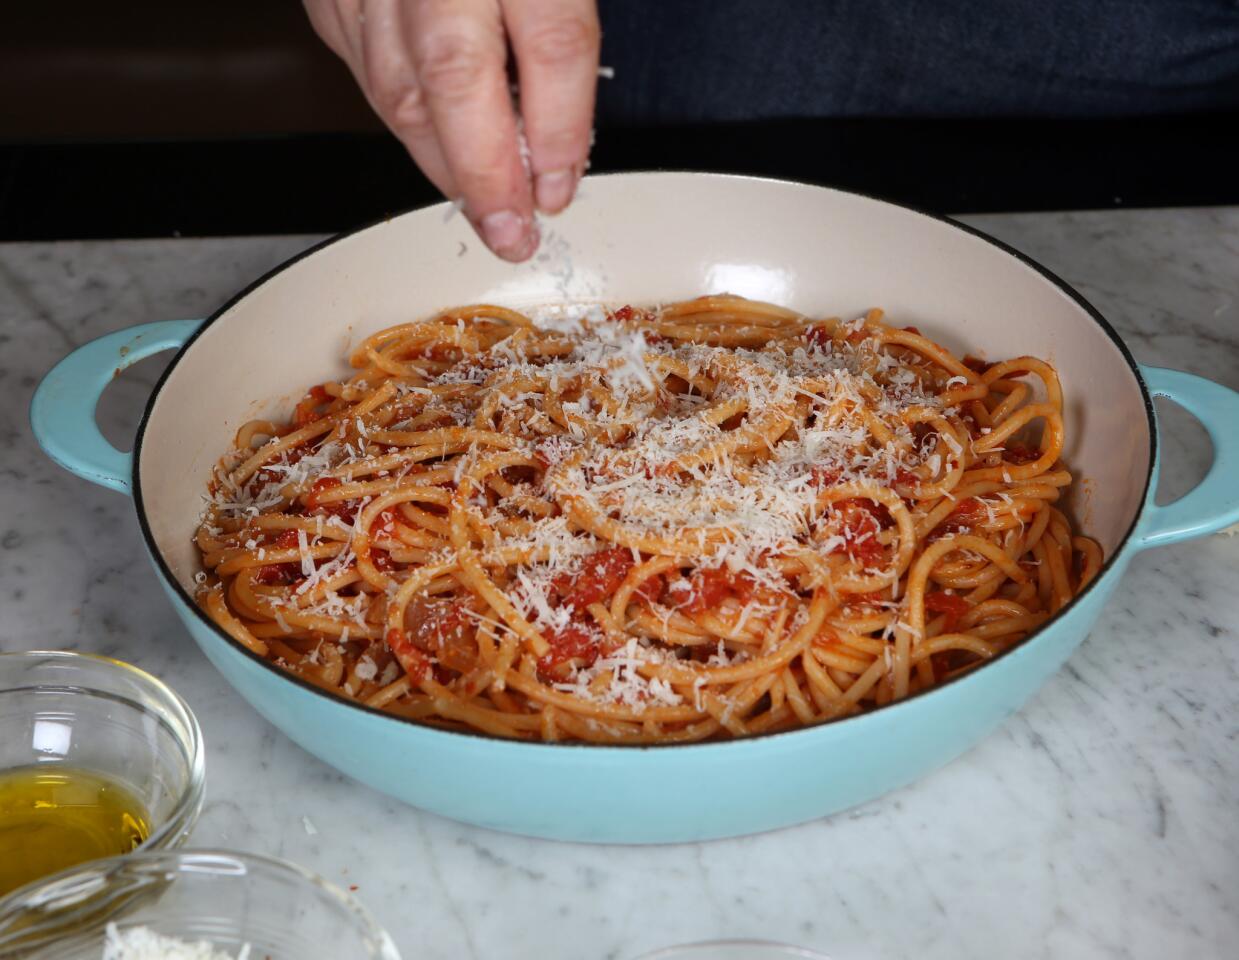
<point x="368" y="36"/>
<point x="436" y="73"/>
<point x="337" y="22"/>
<point x="556" y="44"/>
<point x="391" y="85"/>
<point x="459" y="55"/>
<point x="326" y="23"/>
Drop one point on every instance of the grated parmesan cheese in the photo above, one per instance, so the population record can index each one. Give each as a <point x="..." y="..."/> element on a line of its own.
<point x="143" y="943"/>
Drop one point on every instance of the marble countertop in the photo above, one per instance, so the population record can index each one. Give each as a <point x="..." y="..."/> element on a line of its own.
<point x="1101" y="821"/>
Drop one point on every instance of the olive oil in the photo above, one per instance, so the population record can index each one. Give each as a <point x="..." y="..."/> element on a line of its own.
<point x="54" y="816"/>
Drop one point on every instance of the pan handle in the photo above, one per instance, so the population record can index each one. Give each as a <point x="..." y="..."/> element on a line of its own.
<point x="62" y="413"/>
<point x="1214" y="503"/>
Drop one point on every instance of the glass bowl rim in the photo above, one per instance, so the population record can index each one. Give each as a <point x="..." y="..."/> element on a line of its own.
<point x="66" y="890"/>
<point x="675" y="951"/>
<point x="175" y="828"/>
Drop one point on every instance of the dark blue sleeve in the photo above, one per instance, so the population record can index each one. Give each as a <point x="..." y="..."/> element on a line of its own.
<point x="715" y="60"/>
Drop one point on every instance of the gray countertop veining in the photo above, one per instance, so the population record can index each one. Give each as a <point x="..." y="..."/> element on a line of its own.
<point x="1100" y="821"/>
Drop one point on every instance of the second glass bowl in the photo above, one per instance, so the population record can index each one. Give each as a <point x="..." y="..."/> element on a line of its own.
<point x="282" y="911"/>
<point x="734" y="950"/>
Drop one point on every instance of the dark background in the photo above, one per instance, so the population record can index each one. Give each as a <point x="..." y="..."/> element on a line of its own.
<point x="230" y="117"/>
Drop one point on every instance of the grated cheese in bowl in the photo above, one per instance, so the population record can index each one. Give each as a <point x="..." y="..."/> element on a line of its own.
<point x="143" y="943"/>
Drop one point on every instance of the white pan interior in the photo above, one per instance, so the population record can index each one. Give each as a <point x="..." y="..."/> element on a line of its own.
<point x="644" y="238"/>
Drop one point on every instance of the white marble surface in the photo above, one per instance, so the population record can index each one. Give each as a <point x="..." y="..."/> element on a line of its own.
<point x="1102" y="821"/>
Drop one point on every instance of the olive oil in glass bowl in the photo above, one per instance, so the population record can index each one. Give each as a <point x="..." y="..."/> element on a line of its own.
<point x="97" y="758"/>
<point x="54" y="816"/>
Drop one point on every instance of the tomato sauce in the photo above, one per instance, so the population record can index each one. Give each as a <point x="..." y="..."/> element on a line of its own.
<point x="575" y="645"/>
<point x="966" y="515"/>
<point x="950" y="605"/>
<point x="281" y="574"/>
<point x="818" y="335"/>
<point x="344" y="509"/>
<point x="628" y="313"/>
<point x="1020" y="453"/>
<point x="866" y="552"/>
<point x="706" y="590"/>
<point x="412" y="659"/>
<point x="946" y="661"/>
<point x="319" y="487"/>
<point x="827" y="640"/>
<point x="443" y="630"/>
<point x="877" y="512"/>
<point x="278" y="574"/>
<point x="386" y="524"/>
<point x="309" y="408"/>
<point x="862" y="521"/>
<point x="599" y="577"/>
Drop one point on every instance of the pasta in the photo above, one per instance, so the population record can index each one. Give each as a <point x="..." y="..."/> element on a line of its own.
<point x="708" y="519"/>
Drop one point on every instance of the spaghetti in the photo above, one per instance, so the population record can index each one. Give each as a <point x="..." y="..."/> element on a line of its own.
<point x="713" y="518"/>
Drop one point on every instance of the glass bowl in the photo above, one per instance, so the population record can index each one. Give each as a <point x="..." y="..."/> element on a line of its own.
<point x="105" y="717"/>
<point x="282" y="911"/>
<point x="734" y="950"/>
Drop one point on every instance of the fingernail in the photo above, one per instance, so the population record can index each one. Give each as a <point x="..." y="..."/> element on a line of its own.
<point x="509" y="234"/>
<point x="554" y="190"/>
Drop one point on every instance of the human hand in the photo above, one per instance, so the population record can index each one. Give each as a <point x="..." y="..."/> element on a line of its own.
<point x="435" y="71"/>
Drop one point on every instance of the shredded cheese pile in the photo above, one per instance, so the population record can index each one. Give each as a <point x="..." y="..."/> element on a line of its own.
<point x="143" y="943"/>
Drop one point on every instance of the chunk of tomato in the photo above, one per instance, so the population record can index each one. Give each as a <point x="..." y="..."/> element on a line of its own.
<point x="311" y="406"/>
<point x="1020" y="453"/>
<point x="822" y="477"/>
<point x="704" y="590"/>
<point x="445" y="630"/>
<point x="344" y="509"/>
<point x="576" y="645"/>
<point x="278" y="574"/>
<point x="599" y="577"/>
<point x="950" y="605"/>
<point x="819" y="335"/>
<point x="967" y="514"/>
<point x="414" y="661"/>
<point x="281" y="574"/>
